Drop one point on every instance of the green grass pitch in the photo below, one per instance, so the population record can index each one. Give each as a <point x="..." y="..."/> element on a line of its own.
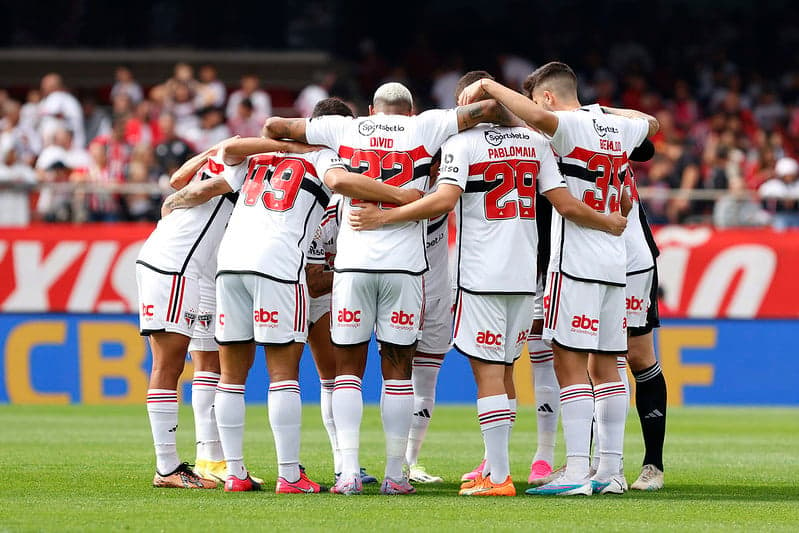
<point x="84" y="468"/>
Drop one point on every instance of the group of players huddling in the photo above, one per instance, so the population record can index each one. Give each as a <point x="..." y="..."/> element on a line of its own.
<point x="334" y="228"/>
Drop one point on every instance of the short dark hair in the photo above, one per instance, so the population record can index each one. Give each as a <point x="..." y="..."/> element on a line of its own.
<point x="332" y="106"/>
<point x="559" y="74"/>
<point x="469" y="78"/>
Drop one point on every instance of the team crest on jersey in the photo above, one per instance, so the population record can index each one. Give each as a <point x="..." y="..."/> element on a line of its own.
<point x="189" y="317"/>
<point x="603" y="130"/>
<point x="205" y="320"/>
<point x="495" y="138"/>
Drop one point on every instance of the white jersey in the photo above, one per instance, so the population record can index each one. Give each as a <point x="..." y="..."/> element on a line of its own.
<point x="436" y="280"/>
<point x="498" y="169"/>
<point x="593" y="150"/>
<point x="639" y="254"/>
<point x="322" y="250"/>
<point x="281" y="202"/>
<point x="397" y="150"/>
<point x="185" y="241"/>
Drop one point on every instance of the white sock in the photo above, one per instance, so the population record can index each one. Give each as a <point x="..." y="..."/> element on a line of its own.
<point x="494" y="415"/>
<point x="621" y="363"/>
<point x="547" y="399"/>
<point x="229" y="407"/>
<point x="162" y="408"/>
<point x="347" y="415"/>
<point x="326" y="405"/>
<point x="285" y="414"/>
<point x="610" y="418"/>
<point x="512" y="406"/>
<point x="424" y="377"/>
<point x="577" y="412"/>
<point x="203" y="391"/>
<point x="396" y="411"/>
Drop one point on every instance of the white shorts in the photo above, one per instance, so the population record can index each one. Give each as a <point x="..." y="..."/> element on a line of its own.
<point x="538" y="305"/>
<point x="167" y="302"/>
<point x="317" y="307"/>
<point x="202" y="340"/>
<point x="585" y="317"/>
<point x="254" y="308"/>
<point x="437" y="333"/>
<point x="637" y="295"/>
<point x="492" y="327"/>
<point x="390" y="304"/>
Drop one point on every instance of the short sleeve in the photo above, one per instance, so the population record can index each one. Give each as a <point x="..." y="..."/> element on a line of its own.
<point x="549" y="177"/>
<point x="636" y="131"/>
<point x="568" y="125"/>
<point x="436" y="126"/>
<point x="326" y="160"/>
<point x="454" y="168"/>
<point x="327" y="130"/>
<point x="236" y="174"/>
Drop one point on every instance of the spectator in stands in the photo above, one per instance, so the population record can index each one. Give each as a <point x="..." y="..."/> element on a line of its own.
<point x="139" y="127"/>
<point x="180" y="103"/>
<point x="16" y="180"/>
<point x="55" y="204"/>
<point x="211" y="129"/>
<point x="514" y="69"/>
<point x="96" y="120"/>
<point x="63" y="150"/>
<point x="172" y="151"/>
<point x="260" y="99"/>
<point x="126" y="84"/>
<point x="314" y="92"/>
<point x="18" y="136"/>
<point x="210" y="91"/>
<point x="59" y="108"/>
<point x="445" y="81"/>
<point x="244" y="122"/>
<point x="29" y="112"/>
<point x="116" y="151"/>
<point x="770" y="113"/>
<point x="140" y="207"/>
<point x="780" y="195"/>
<point x="737" y="208"/>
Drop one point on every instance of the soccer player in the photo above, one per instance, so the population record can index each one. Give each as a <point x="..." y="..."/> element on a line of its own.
<point x="319" y="276"/>
<point x="261" y="293"/>
<point x="377" y="284"/>
<point x="585" y="321"/>
<point x="436" y="338"/>
<point x="175" y="303"/>
<point x="492" y="173"/>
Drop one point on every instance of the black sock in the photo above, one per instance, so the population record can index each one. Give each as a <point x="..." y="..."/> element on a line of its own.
<point x="650" y="401"/>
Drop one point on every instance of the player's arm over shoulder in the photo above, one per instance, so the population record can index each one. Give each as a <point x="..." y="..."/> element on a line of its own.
<point x="285" y="128"/>
<point x="652" y="122"/>
<point x="195" y="193"/>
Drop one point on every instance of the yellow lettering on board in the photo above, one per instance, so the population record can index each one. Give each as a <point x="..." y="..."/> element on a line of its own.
<point x="21" y="342"/>
<point x="671" y="341"/>
<point x="94" y="368"/>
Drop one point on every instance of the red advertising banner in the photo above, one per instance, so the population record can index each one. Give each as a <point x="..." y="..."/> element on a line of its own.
<point x="70" y="268"/>
<point x="704" y="273"/>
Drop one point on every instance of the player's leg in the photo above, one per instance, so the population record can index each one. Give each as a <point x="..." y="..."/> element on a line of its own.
<point x="610" y="392"/>
<point x="434" y="344"/>
<point x="352" y="321"/>
<point x="650" y="401"/>
<point x="570" y="326"/>
<point x="547" y="405"/>
<point x="168" y="306"/>
<point x="399" y="317"/>
<point x="322" y="353"/>
<point x="235" y="336"/>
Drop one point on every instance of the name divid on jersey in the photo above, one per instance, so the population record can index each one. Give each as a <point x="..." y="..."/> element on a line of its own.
<point x="511" y="151"/>
<point x="381" y="142"/>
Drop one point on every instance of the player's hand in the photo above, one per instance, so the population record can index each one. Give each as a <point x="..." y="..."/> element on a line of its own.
<point x="472" y="93"/>
<point x="410" y="195"/>
<point x="367" y="216"/>
<point x="616" y="223"/>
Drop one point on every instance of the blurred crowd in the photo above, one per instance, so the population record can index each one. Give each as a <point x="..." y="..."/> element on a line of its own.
<point x="729" y="134"/>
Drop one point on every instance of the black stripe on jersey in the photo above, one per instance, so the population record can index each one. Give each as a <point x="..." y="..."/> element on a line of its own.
<point x="481" y="186"/>
<point x="303" y="259"/>
<point x="319" y="193"/>
<point x="382" y="271"/>
<point x="151" y="267"/>
<point x="590" y="280"/>
<point x="640" y="271"/>
<point x="582" y="173"/>
<point x="202" y="234"/>
<point x="587" y="350"/>
<point x="435" y="225"/>
<point x="422" y="171"/>
<point x="501" y="293"/>
<point x="650" y="239"/>
<point x="177" y="295"/>
<point x="232" y="196"/>
<point x="256" y="273"/>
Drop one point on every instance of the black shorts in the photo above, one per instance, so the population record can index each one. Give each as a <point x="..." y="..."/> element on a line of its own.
<point x="653" y="314"/>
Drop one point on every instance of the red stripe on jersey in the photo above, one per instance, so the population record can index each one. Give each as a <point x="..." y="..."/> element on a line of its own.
<point x="458" y="314"/>
<point x="477" y="169"/>
<point x="171" y="296"/>
<point x="180" y="305"/>
<point x="216" y="168"/>
<point x="416" y="153"/>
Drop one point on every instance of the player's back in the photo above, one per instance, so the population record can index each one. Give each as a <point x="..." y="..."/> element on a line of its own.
<point x="186" y="240"/>
<point x="499" y="169"/>
<point x="397" y="150"/>
<point x="593" y="151"/>
<point x="280" y="204"/>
